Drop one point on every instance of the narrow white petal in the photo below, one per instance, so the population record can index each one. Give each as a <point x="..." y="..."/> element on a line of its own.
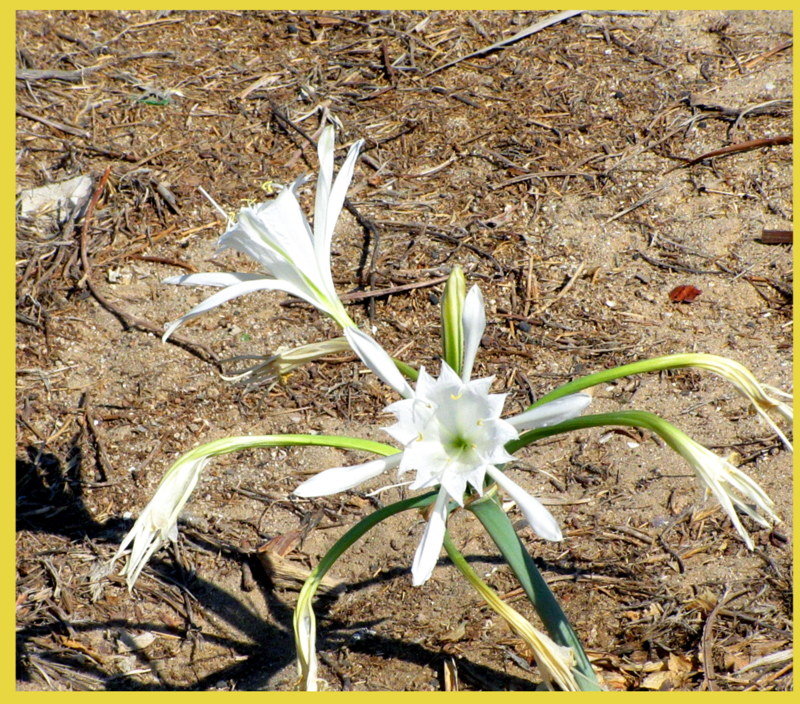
<point x="219" y="279"/>
<point x="325" y="148"/>
<point x="322" y="212"/>
<point x="327" y="211"/>
<point x="235" y="291"/>
<point x="338" y="191"/>
<point x="431" y="544"/>
<point x="332" y="481"/>
<point x="539" y="518"/>
<point x="214" y="203"/>
<point x="474" y="321"/>
<point x="551" y="413"/>
<point x="378" y="360"/>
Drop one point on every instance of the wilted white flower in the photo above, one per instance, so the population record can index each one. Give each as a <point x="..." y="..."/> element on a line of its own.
<point x="159" y="520"/>
<point x="277" y="235"/>
<point x="452" y="436"/>
<point x="748" y="386"/>
<point x="271" y="369"/>
<point x="730" y="486"/>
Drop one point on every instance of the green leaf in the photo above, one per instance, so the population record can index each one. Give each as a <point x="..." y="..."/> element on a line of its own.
<point x="636" y="419"/>
<point x="244" y="442"/>
<point x="303" y="619"/>
<point x="656" y="364"/>
<point x="499" y="527"/>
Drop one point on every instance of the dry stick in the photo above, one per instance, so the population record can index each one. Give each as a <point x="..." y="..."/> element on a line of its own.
<point x="165" y="260"/>
<point x="129" y="321"/>
<point x="766" y="55"/>
<point x="780" y="106"/>
<point x="776" y="237"/>
<point x="547" y="174"/>
<point x="377" y="293"/>
<point x="101" y="457"/>
<point x="60" y="126"/>
<point x="531" y="29"/>
<point x="646" y="198"/>
<point x="708" y="630"/>
<point x="737" y="148"/>
<point x="32" y="74"/>
<point x="567" y="287"/>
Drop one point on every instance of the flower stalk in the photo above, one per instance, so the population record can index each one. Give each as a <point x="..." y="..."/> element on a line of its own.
<point x="304" y="621"/>
<point x="555" y="661"/>
<point x="158" y="522"/>
<point x="742" y="378"/>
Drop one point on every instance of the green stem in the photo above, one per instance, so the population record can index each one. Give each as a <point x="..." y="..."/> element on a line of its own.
<point x="657" y="364"/>
<point x="553" y="666"/>
<point x="224" y="446"/>
<point x="303" y="611"/>
<point x="499" y="527"/>
<point x="358" y="530"/>
<point x="406" y="370"/>
<point x="636" y="419"/>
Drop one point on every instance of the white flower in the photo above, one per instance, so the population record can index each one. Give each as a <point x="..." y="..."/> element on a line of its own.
<point x="277" y="235"/>
<point x="452" y="435"/>
<point x="159" y="520"/>
<point x="730" y="486"/>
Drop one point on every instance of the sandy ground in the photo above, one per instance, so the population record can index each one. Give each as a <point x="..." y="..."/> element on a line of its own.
<point x="576" y="175"/>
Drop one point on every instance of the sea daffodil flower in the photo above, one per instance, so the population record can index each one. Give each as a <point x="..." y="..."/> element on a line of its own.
<point x="293" y="257"/>
<point x="452" y="436"/>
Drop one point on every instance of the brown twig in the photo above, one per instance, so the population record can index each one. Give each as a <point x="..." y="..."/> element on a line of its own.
<point x="776" y="237"/>
<point x="708" y="651"/>
<point x="165" y="260"/>
<point x="738" y="148"/>
<point x="60" y="126"/>
<point x="361" y="295"/>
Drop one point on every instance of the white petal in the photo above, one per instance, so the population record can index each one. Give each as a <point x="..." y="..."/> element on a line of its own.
<point x="474" y="321"/>
<point x="219" y="279"/>
<point x="235" y="291"/>
<point x="409" y="420"/>
<point x="325" y="148"/>
<point x="448" y="378"/>
<point x="428" y="550"/>
<point x="378" y="361"/>
<point x="539" y="518"/>
<point x="332" y="481"/>
<point x="551" y="413"/>
<point x="328" y="204"/>
<point x="425" y="384"/>
<point x="428" y="458"/>
<point x="340" y="186"/>
<point x="481" y="386"/>
<point x="281" y="224"/>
